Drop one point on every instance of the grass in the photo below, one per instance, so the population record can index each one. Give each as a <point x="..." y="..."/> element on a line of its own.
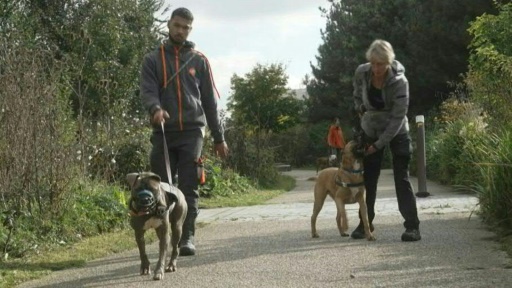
<point x="55" y="258"/>
<point x="256" y="197"/>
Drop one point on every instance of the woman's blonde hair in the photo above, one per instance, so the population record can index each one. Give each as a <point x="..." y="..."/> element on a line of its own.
<point x="381" y="51"/>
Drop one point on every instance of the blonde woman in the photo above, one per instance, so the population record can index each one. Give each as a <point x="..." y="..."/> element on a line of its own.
<point x="381" y="97"/>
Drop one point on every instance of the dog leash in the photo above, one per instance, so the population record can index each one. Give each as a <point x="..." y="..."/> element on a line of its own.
<point x="166" y="156"/>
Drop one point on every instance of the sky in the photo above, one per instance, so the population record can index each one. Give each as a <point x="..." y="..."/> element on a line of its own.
<point x="235" y="35"/>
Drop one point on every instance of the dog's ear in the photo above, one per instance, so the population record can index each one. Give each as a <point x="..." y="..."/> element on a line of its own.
<point x="131" y="178"/>
<point x="153" y="176"/>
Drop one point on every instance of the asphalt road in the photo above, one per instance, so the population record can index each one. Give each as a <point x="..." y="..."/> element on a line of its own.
<point x="271" y="246"/>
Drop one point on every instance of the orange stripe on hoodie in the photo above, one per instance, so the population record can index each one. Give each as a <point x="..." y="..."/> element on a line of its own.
<point x="210" y="72"/>
<point x="177" y="63"/>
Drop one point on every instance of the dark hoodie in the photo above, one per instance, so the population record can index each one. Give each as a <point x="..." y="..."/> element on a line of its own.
<point x="383" y="123"/>
<point x="188" y="96"/>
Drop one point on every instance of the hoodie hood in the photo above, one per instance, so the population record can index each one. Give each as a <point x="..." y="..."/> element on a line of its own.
<point x="398" y="71"/>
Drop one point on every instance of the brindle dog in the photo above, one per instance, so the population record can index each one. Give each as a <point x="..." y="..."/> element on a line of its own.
<point x="158" y="205"/>
<point x="346" y="186"/>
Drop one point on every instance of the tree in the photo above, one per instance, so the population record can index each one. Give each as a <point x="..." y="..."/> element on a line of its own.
<point x="260" y="106"/>
<point x="104" y="42"/>
<point x="261" y="100"/>
<point x="429" y="38"/>
<point x="54" y="53"/>
<point x="490" y="65"/>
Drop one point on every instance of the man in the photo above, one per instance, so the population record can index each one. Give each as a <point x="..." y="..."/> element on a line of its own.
<point x="177" y="89"/>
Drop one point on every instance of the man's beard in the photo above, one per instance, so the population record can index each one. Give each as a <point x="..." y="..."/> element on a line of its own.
<point x="173" y="40"/>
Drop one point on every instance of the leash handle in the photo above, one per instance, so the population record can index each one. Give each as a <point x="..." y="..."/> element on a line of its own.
<point x="166" y="155"/>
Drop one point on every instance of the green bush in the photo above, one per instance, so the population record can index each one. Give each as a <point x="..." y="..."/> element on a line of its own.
<point x="133" y="155"/>
<point x="252" y="155"/>
<point x="127" y="150"/>
<point x="451" y="141"/>
<point x="91" y="209"/>
<point x="222" y="181"/>
<point x="101" y="206"/>
<point x="493" y="161"/>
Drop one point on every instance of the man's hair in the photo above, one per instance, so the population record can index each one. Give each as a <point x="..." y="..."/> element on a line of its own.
<point x="382" y="51"/>
<point x="183" y="13"/>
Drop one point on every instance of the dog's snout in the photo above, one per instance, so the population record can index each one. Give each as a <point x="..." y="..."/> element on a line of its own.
<point x="145" y="199"/>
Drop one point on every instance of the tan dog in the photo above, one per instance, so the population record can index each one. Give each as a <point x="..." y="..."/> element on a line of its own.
<point x="346" y="186"/>
<point x="158" y="205"/>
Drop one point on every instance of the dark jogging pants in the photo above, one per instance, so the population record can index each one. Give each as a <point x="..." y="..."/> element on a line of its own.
<point x="401" y="150"/>
<point x="184" y="151"/>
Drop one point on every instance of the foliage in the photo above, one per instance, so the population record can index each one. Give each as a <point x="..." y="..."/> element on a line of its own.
<point x="105" y="41"/>
<point x="117" y="152"/>
<point x="451" y="139"/>
<point x="301" y="144"/>
<point x="495" y="168"/>
<point x="252" y="155"/>
<point x="250" y="197"/>
<point x="260" y="100"/>
<point x="475" y="159"/>
<point x="222" y="181"/>
<point x="260" y="107"/>
<point x="27" y="233"/>
<point x="37" y="159"/>
<point x="425" y="35"/>
<point x="490" y="64"/>
<point x="47" y="145"/>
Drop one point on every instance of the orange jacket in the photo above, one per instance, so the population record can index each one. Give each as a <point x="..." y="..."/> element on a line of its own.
<point x="335" y="137"/>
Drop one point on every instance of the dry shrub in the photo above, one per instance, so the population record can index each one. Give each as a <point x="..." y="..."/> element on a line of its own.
<point x="36" y="131"/>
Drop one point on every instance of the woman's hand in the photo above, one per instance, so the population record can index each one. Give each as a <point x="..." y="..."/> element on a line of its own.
<point x="370" y="150"/>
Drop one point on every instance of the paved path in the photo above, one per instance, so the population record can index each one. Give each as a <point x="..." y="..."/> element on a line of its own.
<point x="270" y="246"/>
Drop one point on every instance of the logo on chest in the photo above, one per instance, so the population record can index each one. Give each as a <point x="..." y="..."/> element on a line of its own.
<point x="192" y="71"/>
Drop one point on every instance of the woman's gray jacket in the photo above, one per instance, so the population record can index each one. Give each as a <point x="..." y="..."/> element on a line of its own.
<point x="383" y="124"/>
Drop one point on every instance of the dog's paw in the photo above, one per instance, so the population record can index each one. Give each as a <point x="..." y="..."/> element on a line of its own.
<point x="144" y="270"/>
<point x="371" y="237"/>
<point x="344" y="234"/>
<point x="171" y="268"/>
<point x="159" y="275"/>
<point x="315" y="235"/>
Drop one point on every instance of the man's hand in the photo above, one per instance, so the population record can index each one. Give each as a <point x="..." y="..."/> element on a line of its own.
<point x="221" y="149"/>
<point x="159" y="116"/>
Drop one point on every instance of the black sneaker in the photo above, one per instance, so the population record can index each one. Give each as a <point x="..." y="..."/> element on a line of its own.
<point x="358" y="233"/>
<point x="411" y="235"/>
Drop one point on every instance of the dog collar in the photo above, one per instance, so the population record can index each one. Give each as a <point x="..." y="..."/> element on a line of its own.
<point x="347" y="185"/>
<point x="352" y="171"/>
<point x="133" y="212"/>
